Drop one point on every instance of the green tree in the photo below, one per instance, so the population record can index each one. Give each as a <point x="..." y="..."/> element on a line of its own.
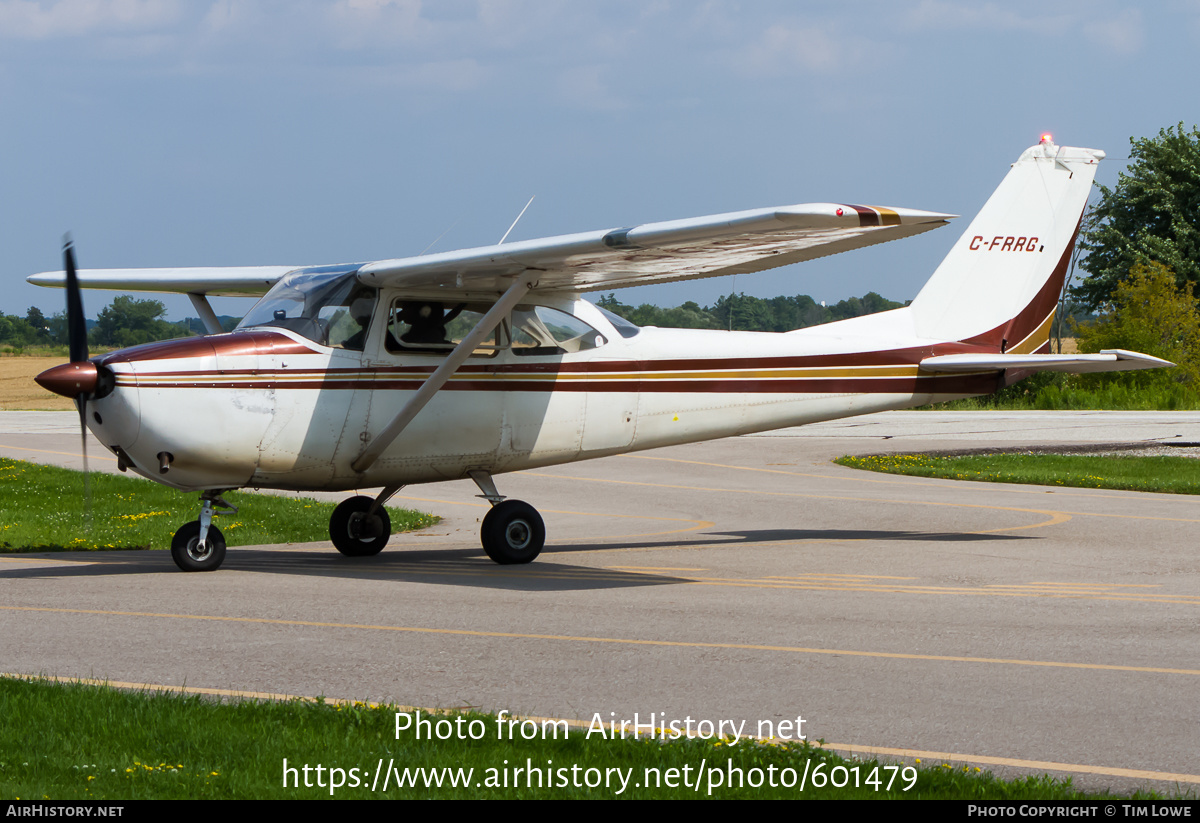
<point x="38" y="325"/>
<point x="16" y="331"/>
<point x="35" y="318"/>
<point x="58" y="328"/>
<point x="8" y="330"/>
<point x="687" y="316"/>
<point x="1153" y="215"/>
<point x="128" y="321"/>
<point x="742" y="312"/>
<point x="1150" y="313"/>
<point x="609" y="302"/>
<point x="777" y="314"/>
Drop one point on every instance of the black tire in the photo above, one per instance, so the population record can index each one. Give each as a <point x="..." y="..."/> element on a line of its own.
<point x="513" y="532"/>
<point x="185" y="548"/>
<point x="353" y="534"/>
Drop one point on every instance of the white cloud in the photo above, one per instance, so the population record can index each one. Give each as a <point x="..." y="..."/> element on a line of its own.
<point x="944" y="14"/>
<point x="225" y="16"/>
<point x="782" y="48"/>
<point x="586" y="87"/>
<point x="442" y="75"/>
<point x="1123" y="34"/>
<point x="43" y="19"/>
<point x="359" y="24"/>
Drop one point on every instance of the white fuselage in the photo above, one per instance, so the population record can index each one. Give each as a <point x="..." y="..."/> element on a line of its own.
<point x="268" y="408"/>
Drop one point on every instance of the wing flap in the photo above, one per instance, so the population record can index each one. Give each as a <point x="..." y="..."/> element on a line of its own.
<point x="1106" y="360"/>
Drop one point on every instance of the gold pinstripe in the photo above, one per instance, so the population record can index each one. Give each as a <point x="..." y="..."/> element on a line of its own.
<point x="827" y="372"/>
<point x="1034" y="340"/>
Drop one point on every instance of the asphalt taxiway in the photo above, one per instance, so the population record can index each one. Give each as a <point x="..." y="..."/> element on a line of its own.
<point x="1021" y="628"/>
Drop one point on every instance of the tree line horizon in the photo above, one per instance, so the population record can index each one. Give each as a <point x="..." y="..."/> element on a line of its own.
<point x="128" y="321"/>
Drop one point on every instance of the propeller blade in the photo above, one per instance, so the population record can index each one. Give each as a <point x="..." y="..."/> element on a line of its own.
<point x="76" y="322"/>
<point x="78" y="348"/>
<point x="81" y="402"/>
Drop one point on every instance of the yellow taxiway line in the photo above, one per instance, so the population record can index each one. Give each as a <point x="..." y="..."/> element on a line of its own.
<point x="630" y="641"/>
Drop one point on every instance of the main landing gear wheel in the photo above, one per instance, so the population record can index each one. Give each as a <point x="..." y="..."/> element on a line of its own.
<point x="513" y="532"/>
<point x="186" y="551"/>
<point x="354" y="533"/>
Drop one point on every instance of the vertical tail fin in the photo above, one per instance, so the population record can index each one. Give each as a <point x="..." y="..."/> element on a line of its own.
<point x="1000" y="283"/>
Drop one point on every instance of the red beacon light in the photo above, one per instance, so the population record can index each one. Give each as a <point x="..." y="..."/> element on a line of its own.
<point x="1047" y="137"/>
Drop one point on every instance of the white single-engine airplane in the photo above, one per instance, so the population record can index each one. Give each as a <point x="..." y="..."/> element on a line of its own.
<point x="477" y="362"/>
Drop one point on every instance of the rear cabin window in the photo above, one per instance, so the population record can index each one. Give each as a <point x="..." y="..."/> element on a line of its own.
<point x="538" y="330"/>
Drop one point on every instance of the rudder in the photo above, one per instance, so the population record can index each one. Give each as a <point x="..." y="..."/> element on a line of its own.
<point x="999" y="285"/>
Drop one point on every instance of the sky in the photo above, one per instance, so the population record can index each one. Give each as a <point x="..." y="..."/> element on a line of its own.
<point x="305" y="132"/>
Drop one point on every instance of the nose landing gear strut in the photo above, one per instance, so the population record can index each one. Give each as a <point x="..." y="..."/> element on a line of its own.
<point x="199" y="546"/>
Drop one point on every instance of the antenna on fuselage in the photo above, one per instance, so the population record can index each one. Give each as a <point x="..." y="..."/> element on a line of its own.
<point x="732" y="288"/>
<point x="439" y="237"/>
<point x="515" y="222"/>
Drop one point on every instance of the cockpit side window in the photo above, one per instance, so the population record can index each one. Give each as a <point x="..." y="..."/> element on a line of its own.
<point x="346" y="325"/>
<point x="328" y="307"/>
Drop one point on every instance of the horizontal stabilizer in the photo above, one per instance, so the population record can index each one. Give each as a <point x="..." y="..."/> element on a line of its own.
<point x="1106" y="360"/>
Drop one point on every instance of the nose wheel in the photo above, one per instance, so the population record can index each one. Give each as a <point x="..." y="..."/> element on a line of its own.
<point x="513" y="532"/>
<point x="199" y="546"/>
<point x="190" y="555"/>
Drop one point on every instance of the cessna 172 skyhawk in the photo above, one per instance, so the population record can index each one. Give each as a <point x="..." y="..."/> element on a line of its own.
<point x="477" y="362"/>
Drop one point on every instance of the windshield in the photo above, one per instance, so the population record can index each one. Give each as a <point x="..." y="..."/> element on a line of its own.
<point x="328" y="306"/>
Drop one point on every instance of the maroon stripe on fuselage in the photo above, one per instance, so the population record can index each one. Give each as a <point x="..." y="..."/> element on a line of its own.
<point x="937" y="384"/>
<point x="226" y="345"/>
<point x="895" y="358"/>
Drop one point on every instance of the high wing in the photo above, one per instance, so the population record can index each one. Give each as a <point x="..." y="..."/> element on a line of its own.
<point x="720" y="244"/>
<point x="732" y="243"/>
<point x="239" y="281"/>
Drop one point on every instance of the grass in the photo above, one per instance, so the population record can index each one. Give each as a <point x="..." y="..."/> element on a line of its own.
<point x="77" y="742"/>
<point x="42" y="350"/>
<point x="1172" y="475"/>
<point x="1051" y="391"/>
<point x="45" y="510"/>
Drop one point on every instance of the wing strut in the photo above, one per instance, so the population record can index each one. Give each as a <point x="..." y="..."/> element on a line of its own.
<point x="207" y="315"/>
<point x="495" y="315"/>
